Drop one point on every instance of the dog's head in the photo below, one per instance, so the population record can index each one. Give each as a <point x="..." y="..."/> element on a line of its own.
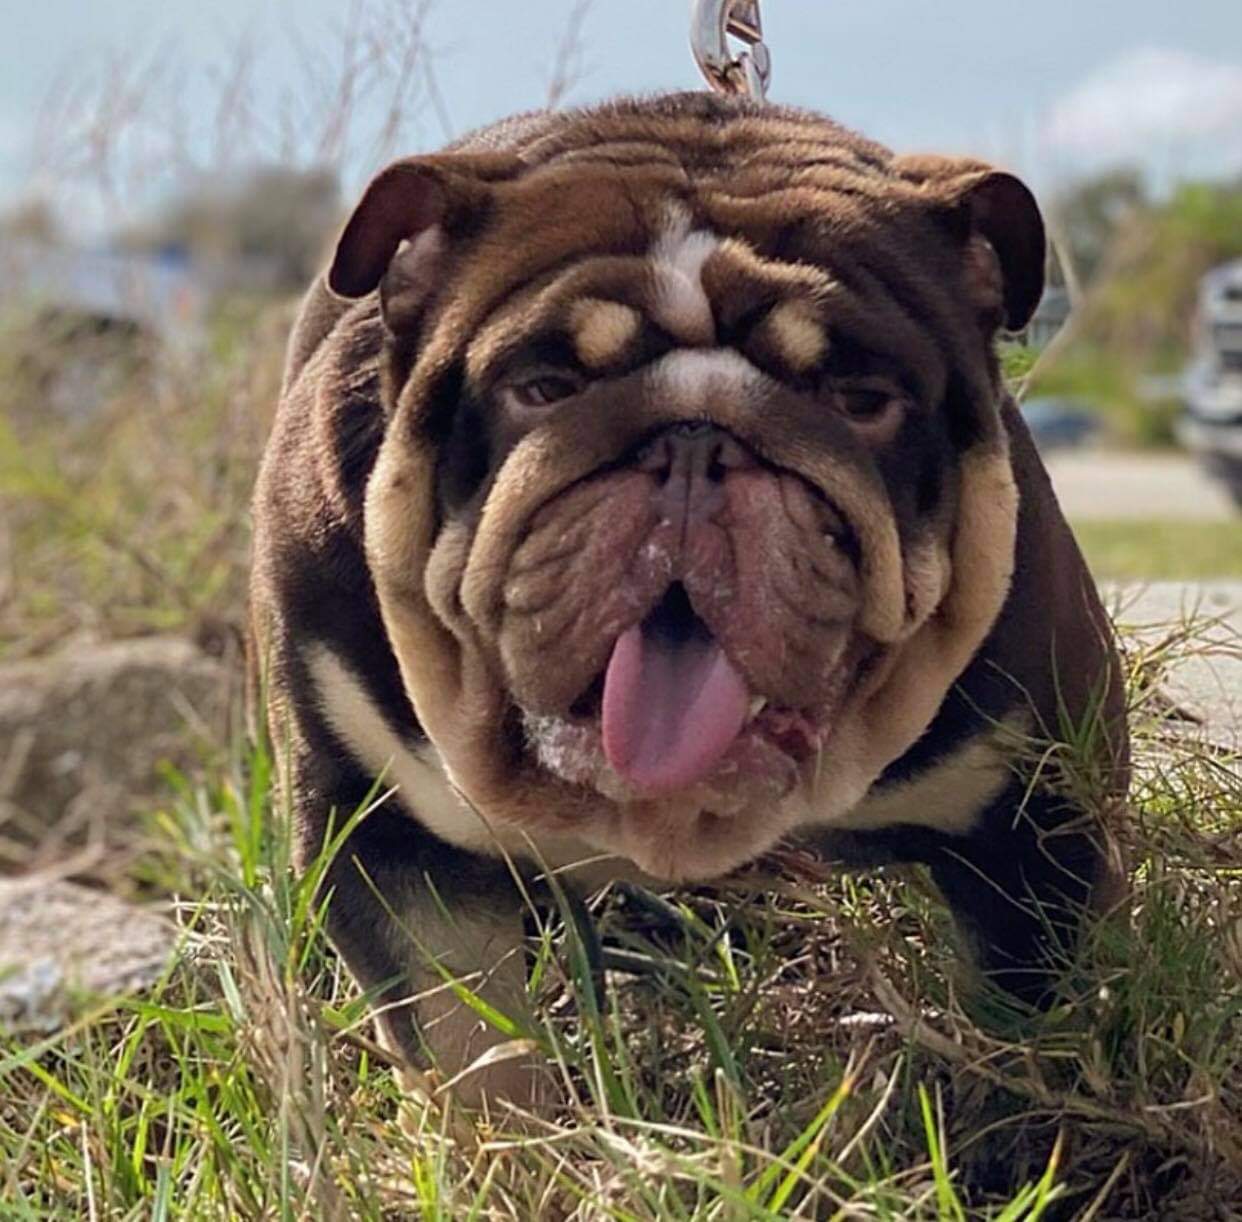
<point x="694" y="497"/>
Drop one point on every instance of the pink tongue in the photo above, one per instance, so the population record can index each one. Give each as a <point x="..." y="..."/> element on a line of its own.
<point x="671" y="711"/>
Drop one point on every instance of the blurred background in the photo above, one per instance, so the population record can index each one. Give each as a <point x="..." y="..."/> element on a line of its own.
<point x="172" y="174"/>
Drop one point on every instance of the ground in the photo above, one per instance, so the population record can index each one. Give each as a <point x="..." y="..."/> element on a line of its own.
<point x="800" y="1043"/>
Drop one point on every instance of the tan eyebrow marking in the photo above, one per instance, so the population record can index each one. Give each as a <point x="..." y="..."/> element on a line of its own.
<point x="798" y="336"/>
<point x="602" y="330"/>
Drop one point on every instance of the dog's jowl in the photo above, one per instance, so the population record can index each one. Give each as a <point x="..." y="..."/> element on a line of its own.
<point x="644" y="490"/>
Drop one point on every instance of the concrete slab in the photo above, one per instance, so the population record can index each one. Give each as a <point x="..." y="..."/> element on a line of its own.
<point x="1207" y="683"/>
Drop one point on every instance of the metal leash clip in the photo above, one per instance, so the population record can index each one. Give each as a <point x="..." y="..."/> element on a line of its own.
<point x="711" y="23"/>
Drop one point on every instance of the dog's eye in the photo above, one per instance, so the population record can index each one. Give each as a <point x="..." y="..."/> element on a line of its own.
<point x="544" y="390"/>
<point x="873" y="409"/>
<point x="866" y="405"/>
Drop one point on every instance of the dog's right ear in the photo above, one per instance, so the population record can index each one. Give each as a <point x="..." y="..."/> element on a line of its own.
<point x="398" y="234"/>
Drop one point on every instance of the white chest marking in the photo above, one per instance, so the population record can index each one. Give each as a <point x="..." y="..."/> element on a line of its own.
<point x="418" y="776"/>
<point x="951" y="794"/>
<point x="415" y="772"/>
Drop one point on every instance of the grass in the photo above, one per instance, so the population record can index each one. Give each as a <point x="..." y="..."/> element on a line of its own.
<point x="1161" y="550"/>
<point x="793" y="1044"/>
<point x="799" y="1043"/>
<point x="128" y="515"/>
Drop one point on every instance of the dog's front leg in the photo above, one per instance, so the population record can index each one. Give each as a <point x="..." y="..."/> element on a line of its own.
<point x="1023" y="886"/>
<point x="428" y="939"/>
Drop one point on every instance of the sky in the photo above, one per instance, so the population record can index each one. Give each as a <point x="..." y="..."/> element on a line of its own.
<point x="1053" y="90"/>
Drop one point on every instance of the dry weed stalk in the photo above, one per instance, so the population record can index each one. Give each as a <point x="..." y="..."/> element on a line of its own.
<point x="568" y="65"/>
<point x="130" y="125"/>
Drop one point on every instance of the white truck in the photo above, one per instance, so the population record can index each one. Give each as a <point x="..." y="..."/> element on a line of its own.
<point x="1212" y="423"/>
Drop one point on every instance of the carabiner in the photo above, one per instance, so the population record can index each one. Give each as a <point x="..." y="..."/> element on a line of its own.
<point x="711" y="23"/>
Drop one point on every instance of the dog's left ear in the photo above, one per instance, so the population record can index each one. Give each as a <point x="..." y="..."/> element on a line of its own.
<point x="1005" y="272"/>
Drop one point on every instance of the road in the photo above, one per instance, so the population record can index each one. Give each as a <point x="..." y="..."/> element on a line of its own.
<point x="1106" y="484"/>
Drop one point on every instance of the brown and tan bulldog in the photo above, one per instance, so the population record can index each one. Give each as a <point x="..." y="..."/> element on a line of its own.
<point x="644" y="492"/>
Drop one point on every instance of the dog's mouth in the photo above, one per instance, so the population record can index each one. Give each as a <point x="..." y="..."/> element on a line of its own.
<point x="672" y="712"/>
<point x="673" y="703"/>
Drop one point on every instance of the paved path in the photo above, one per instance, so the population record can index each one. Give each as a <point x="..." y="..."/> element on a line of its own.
<point x="1101" y="485"/>
<point x="1107" y="484"/>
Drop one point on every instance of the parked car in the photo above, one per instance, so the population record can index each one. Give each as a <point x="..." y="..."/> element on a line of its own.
<point x="1211" y="425"/>
<point x="1060" y="423"/>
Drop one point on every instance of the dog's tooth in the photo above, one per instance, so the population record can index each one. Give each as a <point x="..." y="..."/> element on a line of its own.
<point x="756" y="707"/>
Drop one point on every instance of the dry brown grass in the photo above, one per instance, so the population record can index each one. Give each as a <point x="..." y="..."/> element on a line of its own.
<point x="133" y="517"/>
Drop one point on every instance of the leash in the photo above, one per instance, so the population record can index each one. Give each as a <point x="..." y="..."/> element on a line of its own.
<point x="711" y="23"/>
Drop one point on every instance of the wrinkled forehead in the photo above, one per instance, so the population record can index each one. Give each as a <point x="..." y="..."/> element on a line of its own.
<point x="602" y="254"/>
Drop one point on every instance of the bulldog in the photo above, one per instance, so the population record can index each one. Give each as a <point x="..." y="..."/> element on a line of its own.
<point x="644" y="494"/>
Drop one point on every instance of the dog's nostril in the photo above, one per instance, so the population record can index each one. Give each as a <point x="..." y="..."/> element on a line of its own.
<point x="725" y="456"/>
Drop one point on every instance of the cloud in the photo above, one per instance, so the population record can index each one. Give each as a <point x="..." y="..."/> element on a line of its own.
<point x="1149" y="105"/>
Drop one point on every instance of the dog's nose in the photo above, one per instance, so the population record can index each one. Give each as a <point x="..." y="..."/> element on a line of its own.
<point x="690" y="463"/>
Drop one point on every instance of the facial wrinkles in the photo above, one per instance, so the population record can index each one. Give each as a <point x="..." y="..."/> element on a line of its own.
<point x="540" y="307"/>
<point x="611" y="311"/>
<point x="665" y="284"/>
<point x="724" y="389"/>
<point x="698" y="380"/>
<point x="917" y="318"/>
<point x="678" y="300"/>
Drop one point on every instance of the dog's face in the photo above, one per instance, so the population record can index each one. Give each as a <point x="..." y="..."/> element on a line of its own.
<point x="693" y="498"/>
